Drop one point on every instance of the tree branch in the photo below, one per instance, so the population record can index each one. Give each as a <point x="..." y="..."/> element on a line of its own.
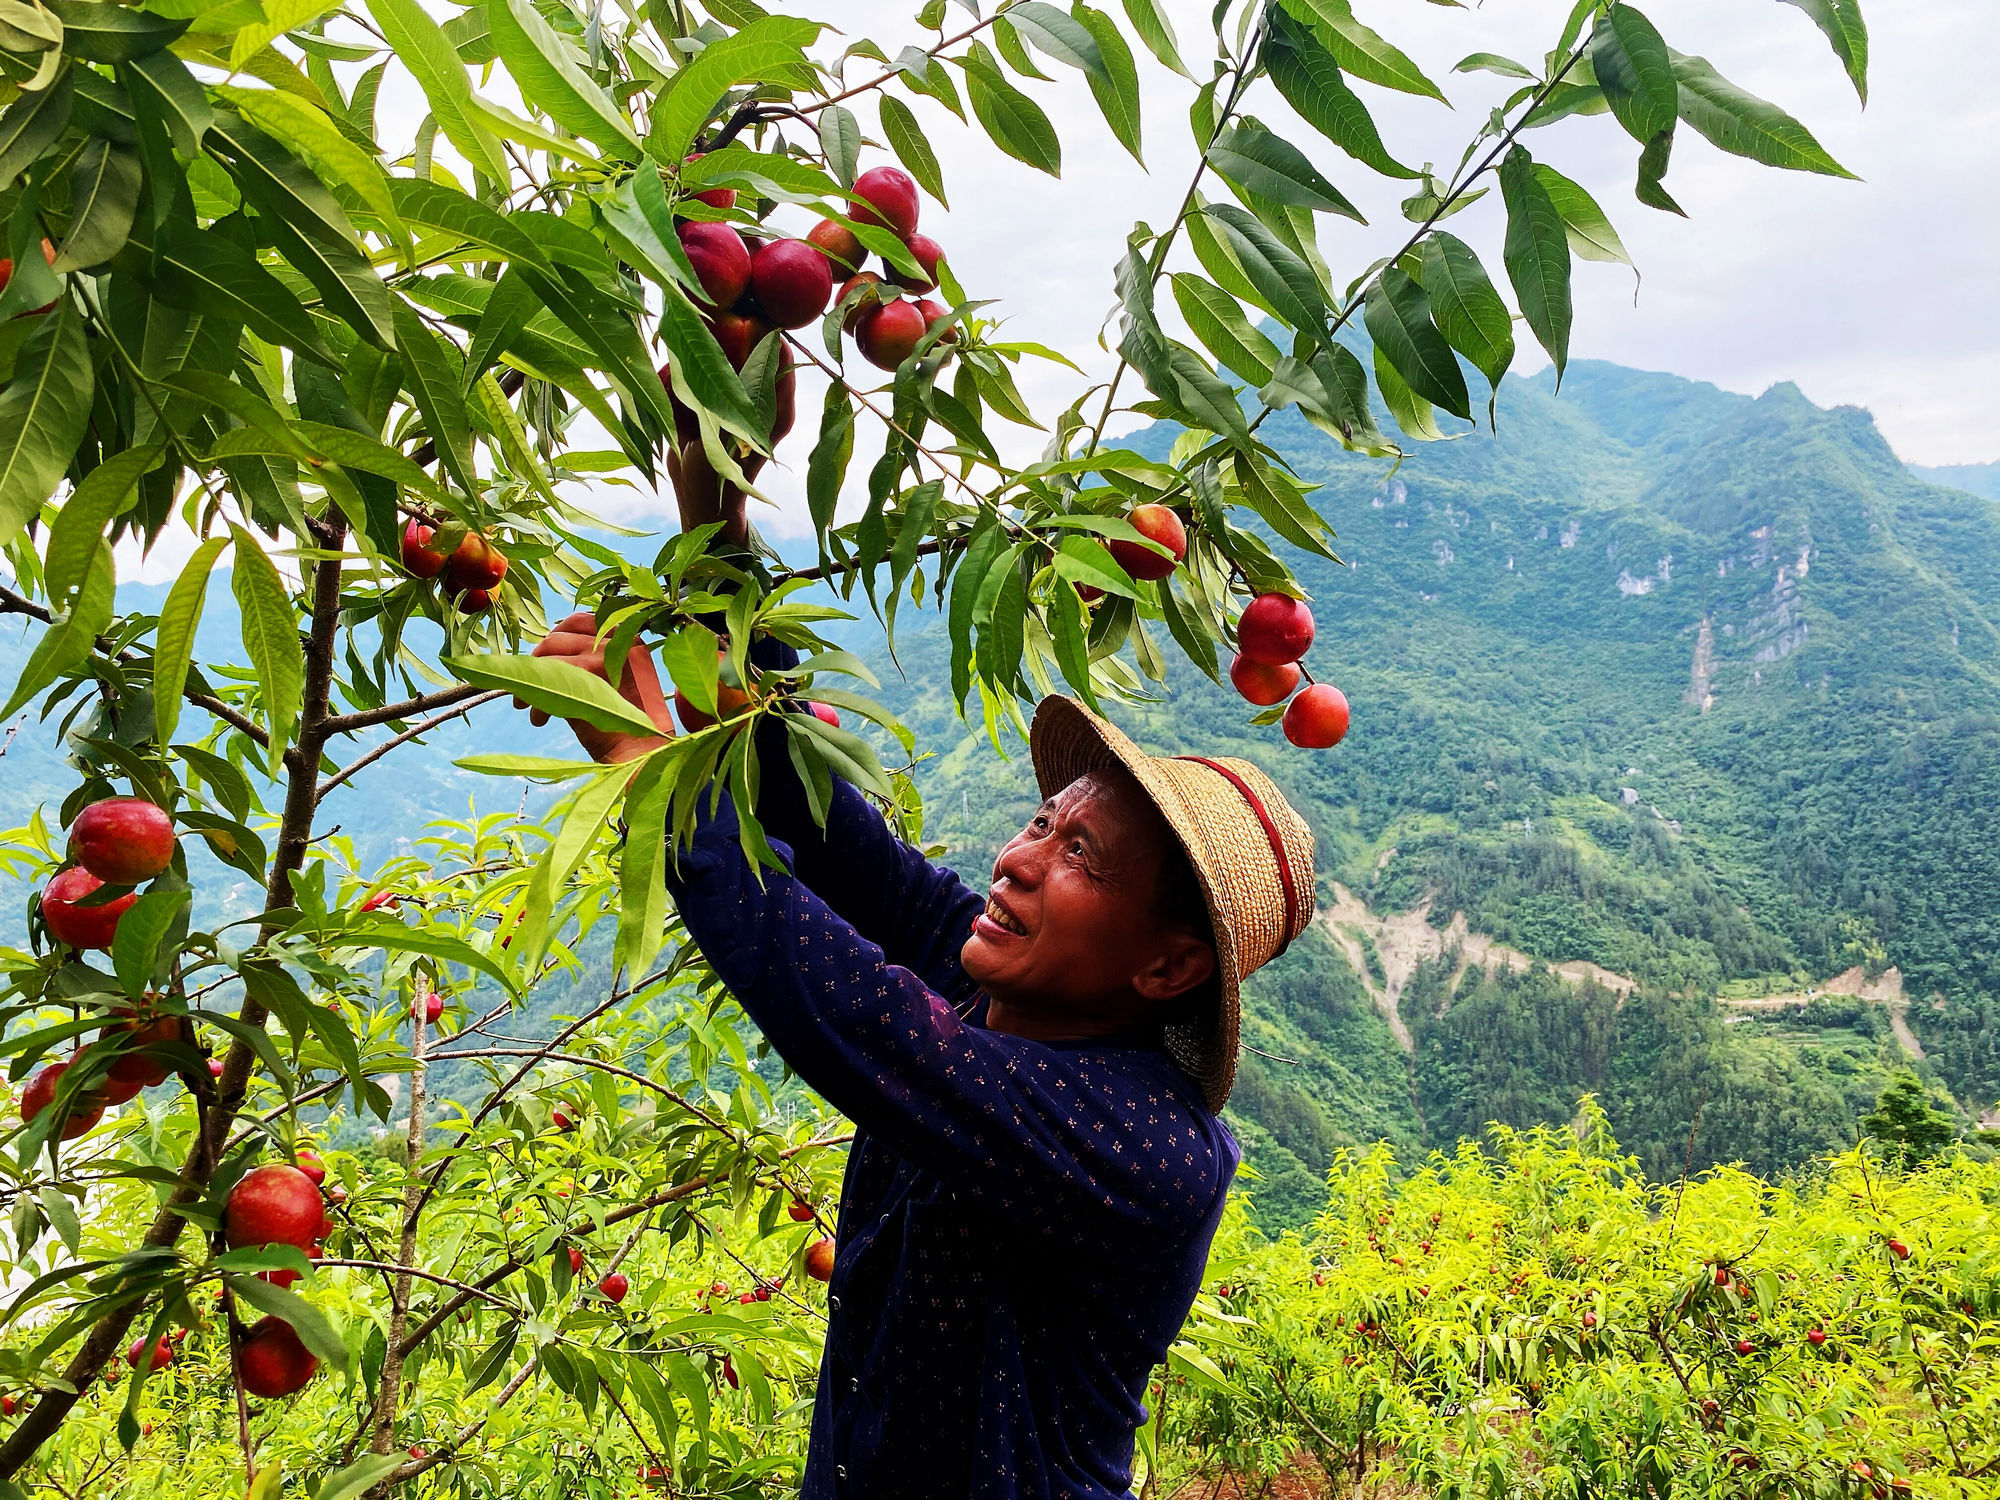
<point x="215" y="1107"/>
<point x="12" y="603"/>
<point x="368" y="718"/>
<point x="402" y="739"/>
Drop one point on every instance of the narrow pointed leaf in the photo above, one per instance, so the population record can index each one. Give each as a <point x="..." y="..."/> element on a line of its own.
<point x="1589" y="232"/>
<point x="1635" y="69"/>
<point x="1846" y="32"/>
<point x="1744" y="125"/>
<point x="1272" y="167"/>
<point x="1149" y="19"/>
<point x="1536" y="253"/>
<point x="429" y="55"/>
<point x="173" y="642"/>
<point x="104" y="198"/>
<point x="551" y="77"/>
<point x="1398" y="315"/>
<point x="913" y="150"/>
<point x="1014" y="121"/>
<point x="1309" y="78"/>
<point x="43" y="413"/>
<point x="1465" y="307"/>
<point x="1360" y="51"/>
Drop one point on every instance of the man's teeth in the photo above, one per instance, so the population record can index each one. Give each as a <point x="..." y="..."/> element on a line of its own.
<point x="997" y="915"/>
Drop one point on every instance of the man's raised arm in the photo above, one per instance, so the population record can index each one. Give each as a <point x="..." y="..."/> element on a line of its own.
<point x="917" y="912"/>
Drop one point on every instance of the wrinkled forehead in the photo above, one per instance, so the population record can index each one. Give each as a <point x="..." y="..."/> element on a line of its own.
<point x="1109" y="807"/>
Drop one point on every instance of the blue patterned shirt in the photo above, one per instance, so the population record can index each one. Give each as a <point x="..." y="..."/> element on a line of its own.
<point x="1023" y="1225"/>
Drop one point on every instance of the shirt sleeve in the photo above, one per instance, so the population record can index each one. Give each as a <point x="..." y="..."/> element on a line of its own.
<point x="1047" y="1135"/>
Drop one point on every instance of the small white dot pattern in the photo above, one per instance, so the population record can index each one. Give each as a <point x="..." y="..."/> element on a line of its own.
<point x="1023" y="1225"/>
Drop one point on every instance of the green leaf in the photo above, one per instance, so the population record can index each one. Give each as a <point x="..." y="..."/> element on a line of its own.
<point x="1466" y="308"/>
<point x="1285" y="283"/>
<point x="425" y="50"/>
<point x="1084" y="559"/>
<point x="310" y="133"/>
<point x="105" y="492"/>
<point x="1274" y="168"/>
<point x="44" y="412"/>
<point x="135" y="950"/>
<point x="270" y="633"/>
<point x="1588" y="231"/>
<point x="1650" y="189"/>
<point x="906" y="139"/>
<point x="1493" y="62"/>
<point x="840" y="139"/>
<point x="767" y="50"/>
<point x="1744" y="125"/>
<point x="434" y="373"/>
<point x="1361" y="51"/>
<point x="112" y="33"/>
<point x="307" y="1321"/>
<point x="1058" y="36"/>
<point x="1117" y="90"/>
<point x="357" y="1478"/>
<point x="173" y="642"/>
<point x="1636" y="72"/>
<point x="1149" y="20"/>
<point x="1014" y="121"/>
<point x="551" y="77"/>
<point x="68" y="642"/>
<point x="441" y="207"/>
<point x="347" y="282"/>
<point x="826" y="467"/>
<point x="1847" y="33"/>
<point x="1219" y="260"/>
<point x="1217" y="320"/>
<point x="967" y="583"/>
<point x="378" y="930"/>
<point x="104" y="198"/>
<point x="700" y="367"/>
<point x="354" y="450"/>
<point x="31" y="124"/>
<point x="1281" y="505"/>
<point x="1399" y="323"/>
<point x="1309" y="78"/>
<point x="1412" y="413"/>
<point x="1536" y="253"/>
<point x="556" y="687"/>
<point x="642" y="889"/>
<point x="205" y="271"/>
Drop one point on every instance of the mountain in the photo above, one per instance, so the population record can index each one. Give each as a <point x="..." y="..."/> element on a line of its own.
<point x="1690" y="693"/>
<point x="1676" y="731"/>
<point x="1979" y="479"/>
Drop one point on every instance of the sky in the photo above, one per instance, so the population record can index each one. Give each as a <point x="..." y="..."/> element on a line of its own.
<point x="1877" y="293"/>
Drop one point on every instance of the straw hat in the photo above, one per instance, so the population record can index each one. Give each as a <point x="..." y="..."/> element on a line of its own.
<point x="1252" y="854"/>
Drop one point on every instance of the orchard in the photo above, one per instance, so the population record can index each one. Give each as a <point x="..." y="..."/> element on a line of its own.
<point x="241" y="311"/>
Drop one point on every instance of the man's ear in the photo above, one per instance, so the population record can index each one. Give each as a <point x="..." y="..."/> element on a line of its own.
<point x="1184" y="962"/>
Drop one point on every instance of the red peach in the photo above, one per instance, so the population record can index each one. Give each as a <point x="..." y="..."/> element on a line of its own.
<point x="926" y="252"/>
<point x="271" y="1360"/>
<point x="888" y="334"/>
<point x="81" y="926"/>
<point x="1275" y="629"/>
<point x="1155" y="523"/>
<point x="1317" y="718"/>
<point x="838" y="244"/>
<point x="720" y="259"/>
<point x="418" y="559"/>
<point x="886" y="196"/>
<point x="1263" y="684"/>
<point x="792" y="282"/>
<point x="123" y="840"/>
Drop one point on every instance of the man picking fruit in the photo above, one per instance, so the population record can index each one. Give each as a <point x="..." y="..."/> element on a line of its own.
<point x="1034" y="1075"/>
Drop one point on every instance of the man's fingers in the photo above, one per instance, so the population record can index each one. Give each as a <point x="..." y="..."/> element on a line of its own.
<point x="582" y="622"/>
<point x="537" y="716"/>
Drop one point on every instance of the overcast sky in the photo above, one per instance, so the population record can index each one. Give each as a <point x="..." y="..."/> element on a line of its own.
<point x="1879" y="293"/>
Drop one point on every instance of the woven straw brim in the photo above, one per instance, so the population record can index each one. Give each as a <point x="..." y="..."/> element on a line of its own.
<point x="1234" y="854"/>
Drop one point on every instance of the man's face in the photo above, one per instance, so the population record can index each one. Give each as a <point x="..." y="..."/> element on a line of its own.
<point x="1070" y="928"/>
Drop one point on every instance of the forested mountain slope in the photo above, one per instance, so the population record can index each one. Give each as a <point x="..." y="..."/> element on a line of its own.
<point x="1697" y="688"/>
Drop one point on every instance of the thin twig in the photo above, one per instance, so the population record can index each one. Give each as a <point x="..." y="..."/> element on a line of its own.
<point x="404" y="738"/>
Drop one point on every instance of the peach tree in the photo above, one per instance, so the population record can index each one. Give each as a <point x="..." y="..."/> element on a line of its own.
<point x="373" y="366"/>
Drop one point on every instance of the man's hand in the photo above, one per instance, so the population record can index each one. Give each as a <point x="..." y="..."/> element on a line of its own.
<point x="575" y="641"/>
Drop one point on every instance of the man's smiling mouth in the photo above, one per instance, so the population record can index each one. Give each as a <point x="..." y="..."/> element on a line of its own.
<point x="1000" y="917"/>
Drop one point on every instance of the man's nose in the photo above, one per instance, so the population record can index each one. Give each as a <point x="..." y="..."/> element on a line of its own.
<point x="1019" y="862"/>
